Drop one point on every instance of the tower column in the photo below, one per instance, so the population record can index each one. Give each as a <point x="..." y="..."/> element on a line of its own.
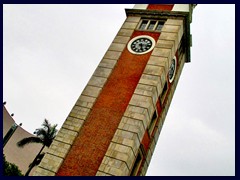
<point x="114" y="125"/>
<point x="134" y="141"/>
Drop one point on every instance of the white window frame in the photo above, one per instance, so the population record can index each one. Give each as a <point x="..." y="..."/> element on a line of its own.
<point x="148" y="23"/>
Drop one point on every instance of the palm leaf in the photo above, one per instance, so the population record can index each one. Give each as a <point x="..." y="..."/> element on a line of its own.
<point x="46" y="125"/>
<point x="44" y="135"/>
<point x="53" y="131"/>
<point x="41" y="132"/>
<point x="28" y="140"/>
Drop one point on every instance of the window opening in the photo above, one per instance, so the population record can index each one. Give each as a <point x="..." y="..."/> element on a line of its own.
<point x="137" y="163"/>
<point x="143" y="24"/>
<point x="153" y="122"/>
<point x="151" y="25"/>
<point x="164" y="92"/>
<point x="159" y="26"/>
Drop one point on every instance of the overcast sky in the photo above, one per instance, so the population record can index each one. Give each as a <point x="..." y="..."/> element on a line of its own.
<point x="51" y="51"/>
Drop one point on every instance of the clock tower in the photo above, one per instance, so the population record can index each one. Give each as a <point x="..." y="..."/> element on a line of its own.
<point x="115" y="123"/>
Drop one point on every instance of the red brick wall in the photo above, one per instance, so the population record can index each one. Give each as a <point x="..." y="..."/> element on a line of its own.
<point x="90" y="146"/>
<point x="146" y="141"/>
<point x="162" y="7"/>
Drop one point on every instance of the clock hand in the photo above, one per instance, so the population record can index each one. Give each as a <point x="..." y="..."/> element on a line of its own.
<point x="141" y="44"/>
<point x="144" y="45"/>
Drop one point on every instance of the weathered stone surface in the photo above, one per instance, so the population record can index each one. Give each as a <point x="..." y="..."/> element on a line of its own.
<point x="121" y="39"/>
<point x="153" y="81"/>
<point x="85" y="101"/>
<point x="138" y="113"/>
<point x="142" y="101"/>
<point x="73" y="124"/>
<point x="127" y="138"/>
<point x="117" y="47"/>
<point x="125" y="32"/>
<point x="152" y="146"/>
<point x="132" y="125"/>
<point x="174" y="26"/>
<point x="149" y="156"/>
<point x="102" y="72"/>
<point x="144" y="169"/>
<point x="42" y="172"/>
<point x="146" y="90"/>
<point x="166" y="44"/>
<point x="159" y="61"/>
<point x="50" y="162"/>
<point x="154" y="70"/>
<point x="133" y="19"/>
<point x="129" y="25"/>
<point x="162" y="52"/>
<point x="91" y="91"/>
<point x="79" y="112"/>
<point x="113" y="54"/>
<point x="171" y="28"/>
<point x="174" y="22"/>
<point x="99" y="173"/>
<point x="97" y="81"/>
<point x="59" y="149"/>
<point x="157" y="134"/>
<point x="66" y="136"/>
<point x="114" y="167"/>
<point x="107" y="63"/>
<point x="170" y="37"/>
<point x="121" y="152"/>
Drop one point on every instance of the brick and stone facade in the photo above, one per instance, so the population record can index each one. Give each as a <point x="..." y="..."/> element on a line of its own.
<point x="115" y="124"/>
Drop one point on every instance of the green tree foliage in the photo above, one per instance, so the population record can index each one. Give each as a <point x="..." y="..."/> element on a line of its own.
<point x="44" y="135"/>
<point x="10" y="169"/>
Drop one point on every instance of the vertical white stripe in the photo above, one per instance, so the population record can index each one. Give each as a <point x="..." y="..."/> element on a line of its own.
<point x="140" y="6"/>
<point x="181" y="7"/>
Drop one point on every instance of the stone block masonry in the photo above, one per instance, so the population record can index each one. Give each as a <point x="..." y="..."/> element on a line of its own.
<point x="103" y="132"/>
<point x="134" y="125"/>
<point x="97" y="132"/>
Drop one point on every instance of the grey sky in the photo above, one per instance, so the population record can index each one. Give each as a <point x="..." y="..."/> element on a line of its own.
<point x="51" y="51"/>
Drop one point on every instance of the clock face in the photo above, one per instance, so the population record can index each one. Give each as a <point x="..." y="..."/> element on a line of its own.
<point x="172" y="69"/>
<point x="141" y="44"/>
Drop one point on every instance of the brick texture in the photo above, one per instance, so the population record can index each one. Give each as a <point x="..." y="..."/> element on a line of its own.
<point x="90" y="145"/>
<point x="162" y="7"/>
